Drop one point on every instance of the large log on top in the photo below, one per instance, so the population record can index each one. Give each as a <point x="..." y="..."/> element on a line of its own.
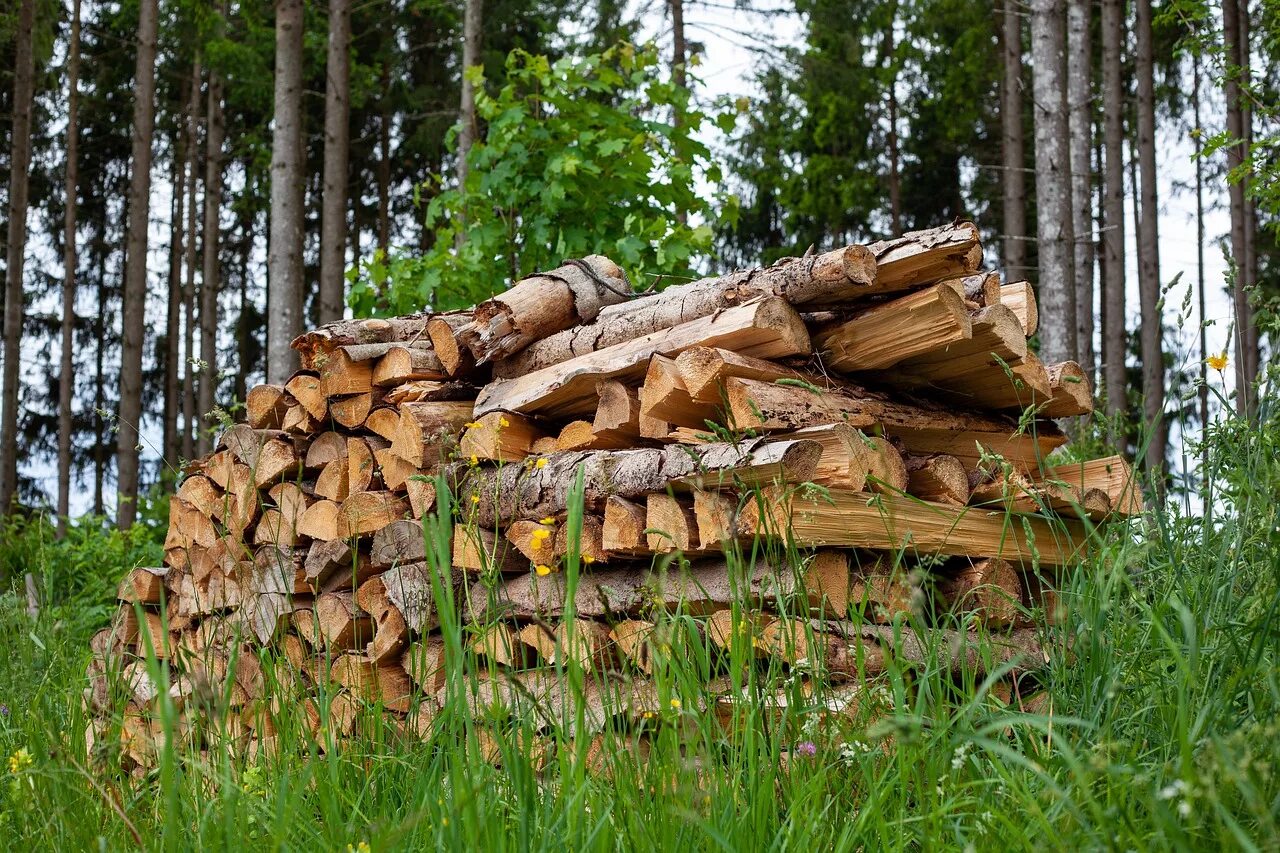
<point x="842" y="275"/>
<point x="528" y="491"/>
<point x="373" y="330"/>
<point x="543" y="304"/>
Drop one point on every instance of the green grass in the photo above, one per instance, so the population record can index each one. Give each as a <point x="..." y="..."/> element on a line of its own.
<point x="1160" y="730"/>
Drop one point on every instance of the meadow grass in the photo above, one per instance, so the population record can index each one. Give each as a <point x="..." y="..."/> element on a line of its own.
<point x="1158" y="730"/>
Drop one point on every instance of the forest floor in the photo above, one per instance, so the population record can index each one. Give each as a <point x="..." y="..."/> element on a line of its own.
<point x="1161" y="731"/>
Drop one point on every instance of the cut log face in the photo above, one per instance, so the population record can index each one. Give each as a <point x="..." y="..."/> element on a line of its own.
<point x="990" y="588"/>
<point x="277" y="462"/>
<point x="581" y="435"/>
<point x="425" y="429"/>
<point x="443" y="330"/>
<point x="670" y="524"/>
<point x="880" y="337"/>
<point x="341" y="374"/>
<point x="359" y="465"/>
<point x="536" y="540"/>
<point x="342" y="624"/>
<point x="665" y="397"/>
<point x="265" y="406"/>
<point x="477" y="549"/>
<point x="1020" y="297"/>
<point x="424" y="663"/>
<point x="332" y="483"/>
<point x="305" y="388"/>
<point x="1070" y="393"/>
<point x="367" y="512"/>
<point x="846" y="458"/>
<point x="590" y="545"/>
<point x="407" y="364"/>
<point x="704" y="369"/>
<point x="325" y="448"/>
<point x="542" y="305"/>
<point x="422" y="495"/>
<point x="397" y="544"/>
<point x="624" y="527"/>
<point x="352" y="410"/>
<point x="383" y="421"/>
<point x="941" y="479"/>
<point x="769" y="328"/>
<point x="618" y="411"/>
<point x="885" y="593"/>
<point x="716" y="516"/>
<point x="919" y="257"/>
<point x="142" y="585"/>
<point x="394" y="471"/>
<point x="1112" y="475"/>
<point x="500" y="436"/>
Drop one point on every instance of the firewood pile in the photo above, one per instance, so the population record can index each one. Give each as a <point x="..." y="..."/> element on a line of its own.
<point x="837" y="463"/>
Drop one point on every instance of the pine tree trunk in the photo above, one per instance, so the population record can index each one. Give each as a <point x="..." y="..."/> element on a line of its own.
<point x="1239" y="127"/>
<point x="133" y="311"/>
<point x="1054" y="234"/>
<point x="1080" y="97"/>
<point x="1012" y="154"/>
<point x="467" y="129"/>
<point x="1203" y="390"/>
<point x="66" y="378"/>
<point x="19" y="181"/>
<point x="1148" y="245"/>
<point x="895" y="161"/>
<point x="173" y="382"/>
<point x="243" y="360"/>
<point x="679" y="50"/>
<point x="384" y="167"/>
<point x="1113" y="308"/>
<point x="189" y="249"/>
<point x="211" y="264"/>
<point x="337" y="132"/>
<point x="284" y="256"/>
<point x="99" y="383"/>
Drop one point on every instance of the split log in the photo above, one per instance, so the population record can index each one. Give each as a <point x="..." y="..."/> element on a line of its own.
<point x="590" y="545"/>
<point x="500" y="436"/>
<point x="912" y="325"/>
<point x="990" y="588"/>
<point x="704" y="369"/>
<point x="188" y="526"/>
<point x="581" y="435"/>
<point x="1070" y="393"/>
<point x="333" y="483"/>
<point x="631" y="637"/>
<point x="397" y="544"/>
<point x="535" y="540"/>
<point x="769" y="328"/>
<point x="443" y="330"/>
<point x="422" y="495"/>
<point x="624" y="527"/>
<point x="395" y="471"/>
<point x="617" y="412"/>
<point x="265" y="405"/>
<point x="342" y="624"/>
<point x="883" y="592"/>
<point x="368" y="512"/>
<point x="142" y="585"/>
<point x="387" y="685"/>
<point x="347" y="371"/>
<point x="318" y="343"/>
<point x="306" y="389"/>
<point x="716" y="516"/>
<point x="889" y="522"/>
<point x="940" y="479"/>
<point x="830" y="658"/>
<point x="390" y="631"/>
<point x="980" y="289"/>
<point x="499" y="644"/>
<point x="1112" y="474"/>
<point x="203" y="494"/>
<point x="977" y="652"/>
<point x="665" y="397"/>
<point x="409" y="588"/>
<point x="847" y="456"/>
<point x="352" y="410"/>
<point x="581" y="641"/>
<point x="670" y="524"/>
<point x="424" y="427"/>
<point x="997" y="337"/>
<point x="423" y="661"/>
<point x="513" y="492"/>
<point x="478" y="549"/>
<point x="407" y="364"/>
<point x="1020" y="297"/>
<point x="320" y="520"/>
<point x="543" y="304"/>
<point x="383" y="421"/>
<point x="359" y="466"/>
<point x="276" y="462"/>
<point x="833" y="276"/>
<point x="325" y="448"/>
<point x="920" y="257"/>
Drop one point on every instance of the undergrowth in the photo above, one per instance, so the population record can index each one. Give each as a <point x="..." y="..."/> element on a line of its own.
<point x="1158" y="730"/>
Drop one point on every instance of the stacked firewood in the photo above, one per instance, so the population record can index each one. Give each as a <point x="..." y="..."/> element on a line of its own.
<point x="837" y="463"/>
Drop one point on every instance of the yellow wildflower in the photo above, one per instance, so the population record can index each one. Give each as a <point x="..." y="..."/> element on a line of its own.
<point x="362" y="847"/>
<point x="475" y="499"/>
<point x="541" y="463"/>
<point x="542" y="570"/>
<point x="1217" y="362"/>
<point x="475" y="460"/>
<point x="675" y="703"/>
<point x="540" y="534"/>
<point x="588" y="559"/>
<point x="548" y="520"/>
<point x="20" y="761"/>
<point x="474" y="425"/>
<point x="503" y="422"/>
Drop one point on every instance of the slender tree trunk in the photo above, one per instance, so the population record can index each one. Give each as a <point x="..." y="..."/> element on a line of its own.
<point x="1054" y="234"/>
<point x="1149" y="246"/>
<point x="1249" y="358"/>
<point x="679" y="50"/>
<point x="895" y="164"/>
<point x="384" y="166"/>
<point x="337" y="132"/>
<point x="134" y="309"/>
<point x="243" y="361"/>
<point x="14" y="308"/>
<point x="1012" y="154"/>
<point x="189" y="250"/>
<point x="211" y="266"/>
<point x="99" y="383"/>
<point x="66" y="378"/>
<point x="284" y="256"/>
<point x="1200" y="276"/>
<point x="1113" y="331"/>
<point x="173" y="381"/>
<point x="1080" y="96"/>
<point x="472" y="21"/>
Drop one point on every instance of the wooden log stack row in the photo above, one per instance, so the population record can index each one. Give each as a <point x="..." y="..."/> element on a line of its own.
<point x="832" y="465"/>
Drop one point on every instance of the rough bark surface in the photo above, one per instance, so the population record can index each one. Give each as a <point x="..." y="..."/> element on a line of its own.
<point x="284" y="257"/>
<point x="333" y="227"/>
<point x="1113" y="325"/>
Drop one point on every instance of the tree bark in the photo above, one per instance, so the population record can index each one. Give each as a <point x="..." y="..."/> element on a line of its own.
<point x="1203" y="390"/>
<point x="467" y="130"/>
<point x="337" y="133"/>
<point x="1113" y="307"/>
<point x="895" y="161"/>
<point x="284" y="257"/>
<point x="384" y="166"/>
<point x="14" y="309"/>
<point x="1014" y="159"/>
<point x="1233" y="16"/>
<point x="1252" y="354"/>
<point x="1149" y="246"/>
<point x="69" y="262"/>
<point x="1054" y="234"/>
<point x="173" y="381"/>
<point x="192" y="426"/>
<point x="135" y="267"/>
<point x="1080" y="98"/>
<point x="211" y="265"/>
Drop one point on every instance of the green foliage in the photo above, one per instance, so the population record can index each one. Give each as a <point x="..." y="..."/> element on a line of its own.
<point x="578" y="156"/>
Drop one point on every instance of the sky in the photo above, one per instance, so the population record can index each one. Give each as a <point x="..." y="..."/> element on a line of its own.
<point x="734" y="44"/>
